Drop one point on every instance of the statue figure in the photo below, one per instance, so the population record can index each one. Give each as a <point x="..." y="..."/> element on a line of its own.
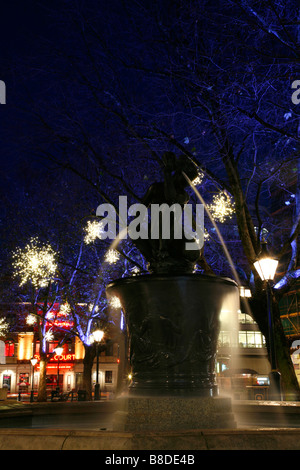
<point x="170" y="255"/>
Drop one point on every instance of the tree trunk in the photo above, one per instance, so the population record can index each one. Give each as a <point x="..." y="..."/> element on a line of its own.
<point x="87" y="369"/>
<point x="290" y="385"/>
<point x="42" y="390"/>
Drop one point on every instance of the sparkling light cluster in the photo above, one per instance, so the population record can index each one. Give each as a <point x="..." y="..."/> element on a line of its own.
<point x="35" y="263"/>
<point x="91" y="306"/>
<point x="112" y="256"/>
<point x="93" y="231"/>
<point x="222" y="207"/>
<point x="49" y="336"/>
<point x="31" y="319"/>
<point x="65" y="309"/>
<point x="135" y="270"/>
<point x="4" y="326"/>
<point x="198" y="179"/>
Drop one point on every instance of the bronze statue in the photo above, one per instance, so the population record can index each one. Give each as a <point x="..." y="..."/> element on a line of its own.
<point x="170" y="255"/>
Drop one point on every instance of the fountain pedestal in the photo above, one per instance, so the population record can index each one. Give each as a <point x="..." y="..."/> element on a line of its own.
<point x="173" y="413"/>
<point x="173" y="327"/>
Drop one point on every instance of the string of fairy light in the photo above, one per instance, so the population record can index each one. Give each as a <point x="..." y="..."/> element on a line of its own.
<point x="222" y="207"/>
<point x="35" y="263"/>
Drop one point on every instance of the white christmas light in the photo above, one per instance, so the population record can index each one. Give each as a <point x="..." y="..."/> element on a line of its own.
<point x="35" y="263"/>
<point x="222" y="207"/>
<point x="198" y="179"/>
<point x="4" y="326"/>
<point x="49" y="336"/>
<point x="65" y="309"/>
<point x="93" y="230"/>
<point x="91" y="306"/>
<point x="135" y="270"/>
<point x="112" y="256"/>
<point x="31" y="319"/>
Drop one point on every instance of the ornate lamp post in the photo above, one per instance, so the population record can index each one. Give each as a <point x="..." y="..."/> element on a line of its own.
<point x="97" y="337"/>
<point x="58" y="351"/>
<point x="33" y="361"/>
<point x="266" y="267"/>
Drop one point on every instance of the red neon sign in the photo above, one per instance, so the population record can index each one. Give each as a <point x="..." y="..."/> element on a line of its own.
<point x="61" y="358"/>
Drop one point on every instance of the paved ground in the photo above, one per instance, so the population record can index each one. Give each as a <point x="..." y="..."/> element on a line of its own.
<point x="88" y="426"/>
<point x="266" y="414"/>
<point x="98" y="415"/>
<point x="91" y="415"/>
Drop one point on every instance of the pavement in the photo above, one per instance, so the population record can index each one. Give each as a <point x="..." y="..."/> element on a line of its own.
<point x="88" y="426"/>
<point x="92" y="415"/>
<point x="264" y="414"/>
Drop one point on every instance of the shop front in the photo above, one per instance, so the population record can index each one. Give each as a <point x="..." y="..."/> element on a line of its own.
<point x="60" y="372"/>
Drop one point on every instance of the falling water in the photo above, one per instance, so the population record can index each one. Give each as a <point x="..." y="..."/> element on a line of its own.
<point x="229" y="314"/>
<point x="227" y="254"/>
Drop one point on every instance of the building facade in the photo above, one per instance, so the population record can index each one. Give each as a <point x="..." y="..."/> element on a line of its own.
<point x="66" y="370"/>
<point x="242" y="358"/>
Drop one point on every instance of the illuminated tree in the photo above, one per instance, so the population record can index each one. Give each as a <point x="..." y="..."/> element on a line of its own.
<point x="36" y="267"/>
<point x="4" y="327"/>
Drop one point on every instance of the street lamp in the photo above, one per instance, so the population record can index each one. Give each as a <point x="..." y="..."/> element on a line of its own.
<point x="97" y="337"/>
<point x="58" y="350"/>
<point x="33" y="361"/>
<point x="266" y="267"/>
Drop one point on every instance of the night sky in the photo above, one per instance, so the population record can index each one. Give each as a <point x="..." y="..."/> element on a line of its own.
<point x="147" y="92"/>
<point x="24" y="27"/>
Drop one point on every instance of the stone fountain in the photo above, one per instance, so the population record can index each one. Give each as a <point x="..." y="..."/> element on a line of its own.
<point x="173" y="322"/>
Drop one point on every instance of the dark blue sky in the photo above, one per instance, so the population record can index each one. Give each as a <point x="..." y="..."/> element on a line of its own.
<point x="23" y="28"/>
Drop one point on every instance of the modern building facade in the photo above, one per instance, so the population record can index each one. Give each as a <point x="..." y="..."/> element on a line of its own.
<point x="242" y="359"/>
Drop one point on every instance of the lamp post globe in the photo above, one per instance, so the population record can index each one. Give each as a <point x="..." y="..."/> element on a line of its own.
<point x="266" y="267"/>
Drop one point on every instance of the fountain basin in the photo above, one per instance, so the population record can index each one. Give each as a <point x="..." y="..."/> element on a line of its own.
<point x="173" y="325"/>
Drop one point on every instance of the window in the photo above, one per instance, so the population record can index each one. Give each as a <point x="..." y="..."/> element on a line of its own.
<point x="6" y="381"/>
<point x="109" y="349"/>
<point x="108" y="376"/>
<point x="9" y="349"/>
<point x="224" y="338"/>
<point x="251" y="339"/>
<point x="245" y="318"/>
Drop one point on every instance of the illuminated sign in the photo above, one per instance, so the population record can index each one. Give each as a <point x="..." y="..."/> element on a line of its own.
<point x="61" y="358"/>
<point x="55" y="367"/>
<point x="58" y="318"/>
